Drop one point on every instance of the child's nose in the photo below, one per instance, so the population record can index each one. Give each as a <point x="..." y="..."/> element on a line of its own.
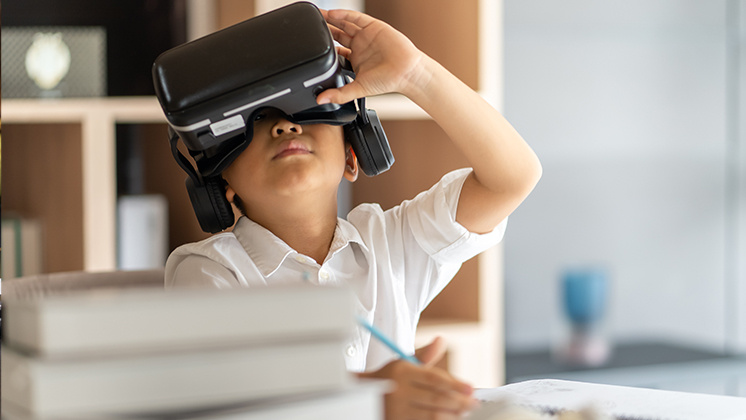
<point x="284" y="126"/>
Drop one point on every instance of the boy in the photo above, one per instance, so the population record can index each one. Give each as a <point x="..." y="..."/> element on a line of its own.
<point x="285" y="182"/>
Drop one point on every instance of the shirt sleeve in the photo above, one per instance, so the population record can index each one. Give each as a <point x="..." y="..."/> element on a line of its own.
<point x="194" y="270"/>
<point x="432" y="218"/>
<point x="428" y="246"/>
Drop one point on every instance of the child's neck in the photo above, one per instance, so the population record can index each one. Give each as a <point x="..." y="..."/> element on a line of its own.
<point x="307" y="229"/>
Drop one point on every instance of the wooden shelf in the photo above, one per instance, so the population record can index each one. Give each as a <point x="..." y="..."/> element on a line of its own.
<point x="147" y="110"/>
<point x="119" y="109"/>
<point x="86" y="126"/>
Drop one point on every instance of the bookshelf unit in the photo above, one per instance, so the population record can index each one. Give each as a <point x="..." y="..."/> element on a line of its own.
<point x="63" y="167"/>
<point x="63" y="172"/>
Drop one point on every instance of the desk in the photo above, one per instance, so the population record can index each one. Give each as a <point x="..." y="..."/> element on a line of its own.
<point x="650" y="364"/>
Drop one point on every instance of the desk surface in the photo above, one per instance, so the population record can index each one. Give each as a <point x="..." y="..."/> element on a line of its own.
<point x="519" y="365"/>
<point x="650" y="365"/>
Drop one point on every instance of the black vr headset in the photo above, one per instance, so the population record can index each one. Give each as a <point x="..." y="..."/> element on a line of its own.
<point x="210" y="90"/>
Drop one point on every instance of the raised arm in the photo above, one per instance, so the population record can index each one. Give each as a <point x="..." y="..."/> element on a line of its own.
<point x="505" y="168"/>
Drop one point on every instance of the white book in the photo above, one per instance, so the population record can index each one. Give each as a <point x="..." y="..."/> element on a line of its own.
<point x="552" y="396"/>
<point x="360" y="400"/>
<point x="141" y="321"/>
<point x="77" y="388"/>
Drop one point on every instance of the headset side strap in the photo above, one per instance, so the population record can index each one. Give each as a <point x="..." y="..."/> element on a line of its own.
<point x="173" y="139"/>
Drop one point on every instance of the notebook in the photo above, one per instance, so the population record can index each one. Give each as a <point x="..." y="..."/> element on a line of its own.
<point x="550" y="397"/>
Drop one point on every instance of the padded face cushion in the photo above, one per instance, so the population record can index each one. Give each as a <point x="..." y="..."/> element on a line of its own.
<point x="216" y="189"/>
<point x="214" y="212"/>
<point x="214" y="160"/>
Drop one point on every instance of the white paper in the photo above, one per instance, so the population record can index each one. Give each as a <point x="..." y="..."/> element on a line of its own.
<point x="619" y="401"/>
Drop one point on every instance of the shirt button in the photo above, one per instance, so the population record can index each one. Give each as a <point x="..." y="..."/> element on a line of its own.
<point x="324" y="275"/>
<point x="300" y="258"/>
<point x="351" y="350"/>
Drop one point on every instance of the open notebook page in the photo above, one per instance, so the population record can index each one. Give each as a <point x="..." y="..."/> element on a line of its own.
<point x="619" y="402"/>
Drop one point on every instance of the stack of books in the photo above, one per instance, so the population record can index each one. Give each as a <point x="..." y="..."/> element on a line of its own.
<point x="180" y="354"/>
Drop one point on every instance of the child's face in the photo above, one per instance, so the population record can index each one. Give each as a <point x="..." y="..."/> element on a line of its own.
<point x="285" y="159"/>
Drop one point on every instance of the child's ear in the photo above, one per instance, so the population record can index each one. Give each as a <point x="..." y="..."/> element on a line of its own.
<point x="230" y="194"/>
<point x="351" y="167"/>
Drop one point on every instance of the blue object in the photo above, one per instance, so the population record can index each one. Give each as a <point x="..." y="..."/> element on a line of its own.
<point x="585" y="292"/>
<point x="385" y="340"/>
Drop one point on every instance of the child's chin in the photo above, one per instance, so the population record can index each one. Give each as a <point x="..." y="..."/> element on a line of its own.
<point x="296" y="181"/>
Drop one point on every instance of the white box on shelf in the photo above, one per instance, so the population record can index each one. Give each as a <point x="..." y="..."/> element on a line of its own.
<point x="142" y="232"/>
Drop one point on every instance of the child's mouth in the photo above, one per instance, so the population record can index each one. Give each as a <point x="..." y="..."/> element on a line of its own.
<point x="292" y="148"/>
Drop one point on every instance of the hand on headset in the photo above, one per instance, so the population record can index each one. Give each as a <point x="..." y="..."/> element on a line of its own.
<point x="383" y="58"/>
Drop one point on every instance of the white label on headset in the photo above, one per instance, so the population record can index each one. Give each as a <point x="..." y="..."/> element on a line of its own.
<point x="227" y="125"/>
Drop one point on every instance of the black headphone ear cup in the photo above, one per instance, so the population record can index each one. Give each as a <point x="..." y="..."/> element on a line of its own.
<point x="377" y="142"/>
<point x="370" y="144"/>
<point x="354" y="135"/>
<point x="214" y="212"/>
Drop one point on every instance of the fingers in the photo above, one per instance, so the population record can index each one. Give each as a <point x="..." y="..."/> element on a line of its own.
<point x="349" y="21"/>
<point x="447" y="401"/>
<point x="342" y="95"/>
<point x="436" y="393"/>
<point x="344" y="52"/>
<point x="423" y="392"/>
<point x="438" y="380"/>
<point x="435" y="382"/>
<point x="432" y="353"/>
<point x="423" y="377"/>
<point x="340" y="36"/>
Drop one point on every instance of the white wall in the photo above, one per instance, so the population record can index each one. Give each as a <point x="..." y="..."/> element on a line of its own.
<point x="737" y="66"/>
<point x="625" y="104"/>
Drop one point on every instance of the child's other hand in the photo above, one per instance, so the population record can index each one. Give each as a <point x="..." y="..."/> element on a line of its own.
<point x="383" y="58"/>
<point x="425" y="391"/>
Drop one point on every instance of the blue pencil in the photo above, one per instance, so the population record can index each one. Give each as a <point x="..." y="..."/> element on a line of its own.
<point x="385" y="340"/>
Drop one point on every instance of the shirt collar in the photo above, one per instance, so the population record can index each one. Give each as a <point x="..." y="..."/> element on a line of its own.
<point x="268" y="252"/>
<point x="345" y="233"/>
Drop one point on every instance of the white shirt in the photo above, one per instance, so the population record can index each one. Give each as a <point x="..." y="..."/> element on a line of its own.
<point x="396" y="261"/>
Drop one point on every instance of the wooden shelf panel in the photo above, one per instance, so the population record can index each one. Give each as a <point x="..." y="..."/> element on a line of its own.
<point x="117" y="109"/>
<point x="95" y="119"/>
<point x="460" y="299"/>
<point x="43" y="181"/>
<point x="147" y="109"/>
<point x="423" y="155"/>
<point x="450" y="35"/>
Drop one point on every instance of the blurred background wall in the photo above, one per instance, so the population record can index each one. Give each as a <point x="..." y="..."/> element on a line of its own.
<point x="637" y="111"/>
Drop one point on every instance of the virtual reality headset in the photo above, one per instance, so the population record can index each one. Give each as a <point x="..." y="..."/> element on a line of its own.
<point x="211" y="88"/>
